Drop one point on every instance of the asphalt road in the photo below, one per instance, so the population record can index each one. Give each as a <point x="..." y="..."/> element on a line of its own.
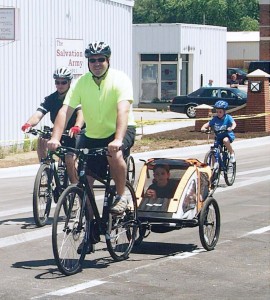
<point x="165" y="266"/>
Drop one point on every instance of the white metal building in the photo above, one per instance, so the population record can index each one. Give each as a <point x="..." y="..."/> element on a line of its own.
<point x="38" y="36"/>
<point x="175" y="59"/>
<point x="243" y="46"/>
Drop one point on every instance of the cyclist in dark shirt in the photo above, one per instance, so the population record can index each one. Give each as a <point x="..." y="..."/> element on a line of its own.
<point x="52" y="105"/>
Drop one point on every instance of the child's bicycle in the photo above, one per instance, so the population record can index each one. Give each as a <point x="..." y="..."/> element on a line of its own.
<point x="50" y="181"/>
<point x="219" y="159"/>
<point x="78" y="224"/>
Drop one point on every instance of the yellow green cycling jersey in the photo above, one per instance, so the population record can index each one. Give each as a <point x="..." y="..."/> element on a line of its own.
<point x="99" y="103"/>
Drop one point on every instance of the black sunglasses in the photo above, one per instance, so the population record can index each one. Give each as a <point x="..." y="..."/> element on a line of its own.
<point x="57" y="82"/>
<point x="93" y="60"/>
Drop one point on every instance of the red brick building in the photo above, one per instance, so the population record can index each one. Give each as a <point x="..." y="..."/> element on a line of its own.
<point x="264" y="29"/>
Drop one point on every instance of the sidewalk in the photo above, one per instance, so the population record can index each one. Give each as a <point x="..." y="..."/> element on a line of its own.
<point x="171" y="121"/>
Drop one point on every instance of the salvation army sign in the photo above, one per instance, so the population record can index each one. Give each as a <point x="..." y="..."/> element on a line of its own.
<point x="7" y="23"/>
<point x="70" y="53"/>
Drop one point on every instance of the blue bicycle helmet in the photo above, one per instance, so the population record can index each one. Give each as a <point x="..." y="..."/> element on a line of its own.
<point x="97" y="48"/>
<point x="221" y="104"/>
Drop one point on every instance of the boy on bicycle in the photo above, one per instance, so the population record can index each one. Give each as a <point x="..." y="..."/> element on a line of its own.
<point x="223" y="125"/>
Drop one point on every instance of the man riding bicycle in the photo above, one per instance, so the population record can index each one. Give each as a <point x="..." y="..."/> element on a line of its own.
<point x="106" y="97"/>
<point x="52" y="104"/>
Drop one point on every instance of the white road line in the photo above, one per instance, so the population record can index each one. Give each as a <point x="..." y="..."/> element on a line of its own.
<point x="73" y="289"/>
<point x="27" y="209"/>
<point x="242" y="184"/>
<point x="11" y="212"/>
<point x="253" y="171"/>
<point x="95" y="282"/>
<point x="25" y="237"/>
<point x="187" y="254"/>
<point x="257" y="231"/>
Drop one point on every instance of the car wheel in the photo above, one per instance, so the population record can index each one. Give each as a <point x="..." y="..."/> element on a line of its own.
<point x="191" y="111"/>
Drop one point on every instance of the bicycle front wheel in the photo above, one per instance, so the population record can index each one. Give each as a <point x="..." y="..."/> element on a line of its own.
<point x="209" y="224"/>
<point x="122" y="229"/>
<point x="42" y="195"/>
<point x="69" y="231"/>
<point x="230" y="171"/>
<point x="210" y="160"/>
<point x="131" y="170"/>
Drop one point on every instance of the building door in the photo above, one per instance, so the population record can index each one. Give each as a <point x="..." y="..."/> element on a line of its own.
<point x="149" y="82"/>
<point x="168" y="81"/>
<point x="159" y="77"/>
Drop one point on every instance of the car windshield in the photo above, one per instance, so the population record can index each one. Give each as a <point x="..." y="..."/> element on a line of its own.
<point x="241" y="72"/>
<point x="240" y="93"/>
<point x="204" y="92"/>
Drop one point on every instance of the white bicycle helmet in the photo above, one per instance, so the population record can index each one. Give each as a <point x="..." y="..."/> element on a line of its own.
<point x="98" y="48"/>
<point x="62" y="72"/>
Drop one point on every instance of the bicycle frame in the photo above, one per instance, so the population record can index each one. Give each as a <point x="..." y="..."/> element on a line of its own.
<point x="220" y="163"/>
<point x="51" y="162"/>
<point x="221" y="155"/>
<point x="90" y="201"/>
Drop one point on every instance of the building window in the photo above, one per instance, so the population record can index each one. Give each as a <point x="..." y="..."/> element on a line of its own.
<point x="168" y="57"/>
<point x="159" y="77"/>
<point x="149" y="57"/>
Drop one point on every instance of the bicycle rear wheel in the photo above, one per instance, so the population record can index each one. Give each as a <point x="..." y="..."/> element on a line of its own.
<point x="69" y="231"/>
<point x="122" y="229"/>
<point x="209" y="224"/>
<point x="230" y="172"/>
<point x="210" y="160"/>
<point x="42" y="195"/>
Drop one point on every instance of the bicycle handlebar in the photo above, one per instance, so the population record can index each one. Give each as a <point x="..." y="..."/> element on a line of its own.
<point x="208" y="131"/>
<point x="45" y="133"/>
<point x="83" y="151"/>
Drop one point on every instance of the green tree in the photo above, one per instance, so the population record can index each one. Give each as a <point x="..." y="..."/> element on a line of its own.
<point x="237" y="15"/>
<point x="249" y="24"/>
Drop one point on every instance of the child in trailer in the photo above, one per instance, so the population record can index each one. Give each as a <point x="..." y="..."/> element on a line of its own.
<point x="161" y="187"/>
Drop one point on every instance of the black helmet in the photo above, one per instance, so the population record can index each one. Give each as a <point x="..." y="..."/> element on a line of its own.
<point x="62" y="72"/>
<point x="221" y="104"/>
<point x="98" y="48"/>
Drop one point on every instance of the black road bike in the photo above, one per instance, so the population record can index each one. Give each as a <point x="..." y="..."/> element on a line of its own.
<point x="78" y="223"/>
<point x="50" y="181"/>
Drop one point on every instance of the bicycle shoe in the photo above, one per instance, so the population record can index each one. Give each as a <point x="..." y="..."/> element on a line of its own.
<point x="89" y="248"/>
<point x="232" y="158"/>
<point x="119" y="206"/>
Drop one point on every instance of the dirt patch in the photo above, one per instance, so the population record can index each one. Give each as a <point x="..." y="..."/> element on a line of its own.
<point x="178" y="138"/>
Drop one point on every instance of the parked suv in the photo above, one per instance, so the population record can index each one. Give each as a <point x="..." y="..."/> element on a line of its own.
<point x="263" y="65"/>
<point x="241" y="75"/>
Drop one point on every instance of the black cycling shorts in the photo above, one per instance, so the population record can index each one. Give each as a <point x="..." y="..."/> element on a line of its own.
<point x="99" y="164"/>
